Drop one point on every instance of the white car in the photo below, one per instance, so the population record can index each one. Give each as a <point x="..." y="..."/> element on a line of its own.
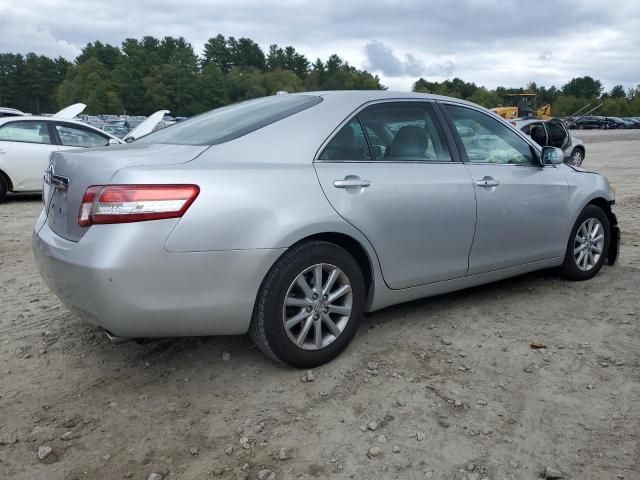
<point x="10" y="112"/>
<point x="27" y="141"/>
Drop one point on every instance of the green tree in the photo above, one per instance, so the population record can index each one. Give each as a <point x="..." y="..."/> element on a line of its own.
<point x="216" y="51"/>
<point x="617" y="92"/>
<point x="91" y="83"/>
<point x="583" y="87"/>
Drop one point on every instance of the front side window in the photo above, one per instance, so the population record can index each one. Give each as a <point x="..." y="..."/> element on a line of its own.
<point x="487" y="140"/>
<point x="233" y="121"/>
<point x="27" y="131"/>
<point x="72" y="136"/>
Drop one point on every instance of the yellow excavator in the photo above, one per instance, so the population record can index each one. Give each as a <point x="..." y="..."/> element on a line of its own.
<point x="520" y="105"/>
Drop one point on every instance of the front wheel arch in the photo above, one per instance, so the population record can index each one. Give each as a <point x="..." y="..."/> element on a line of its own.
<point x="7" y="179"/>
<point x="5" y="185"/>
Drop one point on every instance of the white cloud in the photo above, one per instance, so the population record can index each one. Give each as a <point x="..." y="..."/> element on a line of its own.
<point x="503" y="42"/>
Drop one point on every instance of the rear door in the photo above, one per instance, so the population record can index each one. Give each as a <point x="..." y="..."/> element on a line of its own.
<point x="557" y="134"/>
<point x="390" y="172"/>
<point x="25" y="146"/>
<point x="71" y="135"/>
<point x="522" y="206"/>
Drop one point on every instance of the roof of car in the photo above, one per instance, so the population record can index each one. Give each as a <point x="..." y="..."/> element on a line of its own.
<point x="368" y="95"/>
<point x="14" y="111"/>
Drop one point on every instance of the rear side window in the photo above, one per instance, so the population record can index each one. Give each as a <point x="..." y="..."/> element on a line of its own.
<point x="227" y="123"/>
<point x="348" y="144"/>
<point x="404" y="131"/>
<point x="73" y="136"/>
<point x="396" y="132"/>
<point x="27" y="131"/>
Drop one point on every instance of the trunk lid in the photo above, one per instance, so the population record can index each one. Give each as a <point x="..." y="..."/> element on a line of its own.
<point x="71" y="172"/>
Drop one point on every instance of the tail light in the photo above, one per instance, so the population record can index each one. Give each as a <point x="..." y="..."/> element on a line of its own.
<point x="134" y="203"/>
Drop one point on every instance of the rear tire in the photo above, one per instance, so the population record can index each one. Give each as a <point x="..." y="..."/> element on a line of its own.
<point x="588" y="245"/>
<point x="304" y="322"/>
<point x="4" y="188"/>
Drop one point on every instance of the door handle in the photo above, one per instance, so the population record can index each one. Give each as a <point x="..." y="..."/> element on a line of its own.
<point x="488" y="182"/>
<point x="351" y="182"/>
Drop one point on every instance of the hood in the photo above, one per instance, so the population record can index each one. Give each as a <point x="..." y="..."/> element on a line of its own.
<point x="71" y="111"/>
<point x="147" y="126"/>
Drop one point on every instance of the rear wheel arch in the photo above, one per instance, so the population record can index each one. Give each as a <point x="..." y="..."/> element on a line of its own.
<point x="356" y="250"/>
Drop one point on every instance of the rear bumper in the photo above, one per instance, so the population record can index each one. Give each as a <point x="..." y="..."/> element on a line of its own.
<point x="120" y="278"/>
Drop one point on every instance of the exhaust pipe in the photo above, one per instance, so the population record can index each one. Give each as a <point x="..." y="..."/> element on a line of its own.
<point x="116" y="340"/>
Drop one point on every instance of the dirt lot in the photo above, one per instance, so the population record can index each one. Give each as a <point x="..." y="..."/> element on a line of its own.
<point x="451" y="383"/>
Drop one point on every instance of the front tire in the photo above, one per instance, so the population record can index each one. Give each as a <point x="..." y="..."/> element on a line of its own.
<point x="4" y="188"/>
<point x="588" y="245"/>
<point x="309" y="305"/>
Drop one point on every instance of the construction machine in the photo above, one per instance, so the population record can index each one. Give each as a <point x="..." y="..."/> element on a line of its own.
<point x="521" y="105"/>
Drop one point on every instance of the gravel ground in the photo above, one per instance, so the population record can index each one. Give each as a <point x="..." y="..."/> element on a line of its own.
<point x="444" y="388"/>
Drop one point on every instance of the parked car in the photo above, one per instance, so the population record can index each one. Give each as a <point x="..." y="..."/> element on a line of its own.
<point x="289" y="216"/>
<point x="10" y="112"/>
<point x="635" y="121"/>
<point x="589" y="122"/>
<point x="116" y="130"/>
<point x="554" y="133"/>
<point x="617" y="122"/>
<point x="26" y="142"/>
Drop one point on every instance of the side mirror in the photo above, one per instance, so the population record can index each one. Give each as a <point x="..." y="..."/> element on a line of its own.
<point x="552" y="156"/>
<point x="113" y="141"/>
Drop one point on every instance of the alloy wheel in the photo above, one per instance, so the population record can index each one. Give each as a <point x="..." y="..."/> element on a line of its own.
<point x="317" y="306"/>
<point x="576" y="158"/>
<point x="588" y="244"/>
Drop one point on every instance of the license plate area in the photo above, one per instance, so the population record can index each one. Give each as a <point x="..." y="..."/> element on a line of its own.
<point x="58" y="210"/>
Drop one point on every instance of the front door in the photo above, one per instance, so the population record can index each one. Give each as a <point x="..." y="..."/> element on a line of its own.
<point x="25" y="146"/>
<point x="522" y="206"/>
<point x="400" y="186"/>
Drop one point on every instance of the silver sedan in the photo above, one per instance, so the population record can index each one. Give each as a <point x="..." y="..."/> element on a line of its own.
<point x="289" y="216"/>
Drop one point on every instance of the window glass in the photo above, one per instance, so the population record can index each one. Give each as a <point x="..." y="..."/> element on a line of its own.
<point x="28" y="131"/>
<point x="72" y="136"/>
<point x="557" y="134"/>
<point x="348" y="144"/>
<point x="404" y="131"/>
<point x="486" y="140"/>
<point x="227" y="123"/>
<point x="538" y="134"/>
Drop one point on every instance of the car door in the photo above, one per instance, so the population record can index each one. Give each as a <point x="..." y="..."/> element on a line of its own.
<point x="25" y="146"/>
<point x="390" y="172"/>
<point x="557" y="134"/>
<point x="538" y="133"/>
<point x="522" y="206"/>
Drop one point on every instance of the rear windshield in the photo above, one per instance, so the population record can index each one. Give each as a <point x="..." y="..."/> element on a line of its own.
<point x="227" y="123"/>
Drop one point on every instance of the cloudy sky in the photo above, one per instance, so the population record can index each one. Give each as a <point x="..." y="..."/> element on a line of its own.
<point x="489" y="42"/>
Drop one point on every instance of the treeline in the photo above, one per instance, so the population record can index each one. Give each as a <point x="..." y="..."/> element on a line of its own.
<point x="145" y="75"/>
<point x="142" y="76"/>
<point x="564" y="101"/>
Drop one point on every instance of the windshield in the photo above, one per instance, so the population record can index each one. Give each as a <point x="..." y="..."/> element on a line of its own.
<point x="227" y="123"/>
